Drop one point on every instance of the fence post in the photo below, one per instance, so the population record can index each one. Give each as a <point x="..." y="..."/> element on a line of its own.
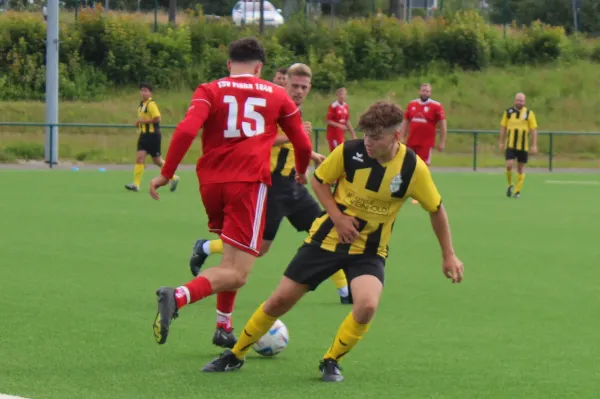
<point x="317" y="139"/>
<point x="475" y="135"/>
<point x="550" y="152"/>
<point x="50" y="153"/>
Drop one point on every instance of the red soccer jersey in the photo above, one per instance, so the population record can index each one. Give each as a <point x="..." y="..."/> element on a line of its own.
<point x="240" y="115"/>
<point x="423" y="117"/>
<point x="337" y="113"/>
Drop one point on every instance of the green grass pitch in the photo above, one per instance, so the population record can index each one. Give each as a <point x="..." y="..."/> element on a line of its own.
<point x="81" y="259"/>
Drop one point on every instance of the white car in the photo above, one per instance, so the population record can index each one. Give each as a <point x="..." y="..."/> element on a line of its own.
<point x="248" y="12"/>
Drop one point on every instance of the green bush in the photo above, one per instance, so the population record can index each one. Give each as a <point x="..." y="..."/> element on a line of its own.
<point x="25" y="150"/>
<point x="595" y="55"/>
<point x="111" y="49"/>
<point x="6" y="157"/>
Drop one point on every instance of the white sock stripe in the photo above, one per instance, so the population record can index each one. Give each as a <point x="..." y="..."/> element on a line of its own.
<point x="223" y="314"/>
<point x="188" y="297"/>
<point x="206" y="247"/>
<point x="260" y="205"/>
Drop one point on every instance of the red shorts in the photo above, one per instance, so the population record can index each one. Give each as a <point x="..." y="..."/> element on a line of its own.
<point x="335" y="140"/>
<point x="236" y="211"/>
<point x="423" y="152"/>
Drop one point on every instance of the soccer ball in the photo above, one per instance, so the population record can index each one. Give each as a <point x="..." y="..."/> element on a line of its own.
<point x="274" y="341"/>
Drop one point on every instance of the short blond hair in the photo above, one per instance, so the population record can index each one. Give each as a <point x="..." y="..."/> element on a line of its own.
<point x="299" y="69"/>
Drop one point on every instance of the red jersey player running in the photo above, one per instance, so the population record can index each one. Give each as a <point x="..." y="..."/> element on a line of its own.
<point x="239" y="114"/>
<point x="423" y="115"/>
<point x="338" y="120"/>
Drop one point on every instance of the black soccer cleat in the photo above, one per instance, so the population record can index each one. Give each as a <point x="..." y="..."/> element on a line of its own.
<point x="509" y="191"/>
<point x="167" y="311"/>
<point x="174" y="184"/>
<point x="227" y="361"/>
<point x="198" y="257"/>
<point x="224" y="338"/>
<point x="132" y="187"/>
<point x="331" y="371"/>
<point x="517" y="195"/>
<point x="346" y="300"/>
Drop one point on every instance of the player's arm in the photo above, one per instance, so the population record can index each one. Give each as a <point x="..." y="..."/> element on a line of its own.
<point x="291" y="124"/>
<point x="503" y="125"/>
<point x="330" y="171"/>
<point x="404" y="126"/>
<point x="443" y="129"/>
<point x="283" y="139"/>
<point x="187" y="130"/>
<point x="533" y="130"/>
<point x="423" y="190"/>
<point x="349" y="126"/>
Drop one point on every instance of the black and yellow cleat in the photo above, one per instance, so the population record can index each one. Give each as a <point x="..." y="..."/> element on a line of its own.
<point x="517" y="195"/>
<point x="330" y="371"/>
<point x="227" y="361"/>
<point x="167" y="311"/>
<point x="224" y="338"/>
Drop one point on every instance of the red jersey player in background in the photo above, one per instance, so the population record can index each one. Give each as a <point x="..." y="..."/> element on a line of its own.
<point x="423" y="116"/>
<point x="239" y="114"/>
<point x="338" y="120"/>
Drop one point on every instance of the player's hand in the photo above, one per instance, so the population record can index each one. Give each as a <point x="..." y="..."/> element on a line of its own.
<point x="317" y="158"/>
<point x="453" y="268"/>
<point x="301" y="178"/>
<point x="533" y="149"/>
<point x="155" y="184"/>
<point x="501" y="146"/>
<point x="307" y="127"/>
<point x="441" y="146"/>
<point x="347" y="228"/>
<point x="137" y="123"/>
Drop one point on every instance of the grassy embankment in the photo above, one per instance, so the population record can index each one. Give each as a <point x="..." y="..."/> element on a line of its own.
<point x="565" y="98"/>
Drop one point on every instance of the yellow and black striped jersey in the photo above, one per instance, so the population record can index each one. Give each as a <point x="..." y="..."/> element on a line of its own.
<point x="373" y="193"/>
<point x="283" y="160"/>
<point x="518" y="124"/>
<point x="148" y="110"/>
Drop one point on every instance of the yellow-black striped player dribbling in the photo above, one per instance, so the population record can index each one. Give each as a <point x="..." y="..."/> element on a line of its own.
<point x="375" y="177"/>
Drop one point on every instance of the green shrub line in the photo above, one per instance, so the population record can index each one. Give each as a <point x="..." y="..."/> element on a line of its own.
<point x="103" y="51"/>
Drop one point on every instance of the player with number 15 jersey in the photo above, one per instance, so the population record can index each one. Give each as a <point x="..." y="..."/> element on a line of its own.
<point x="239" y="114"/>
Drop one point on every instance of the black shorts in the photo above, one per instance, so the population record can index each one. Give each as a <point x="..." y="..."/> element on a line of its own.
<point x="287" y="198"/>
<point x="312" y="265"/>
<point x="520" y="155"/>
<point x="150" y="142"/>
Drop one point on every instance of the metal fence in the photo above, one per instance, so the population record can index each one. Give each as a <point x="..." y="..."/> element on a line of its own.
<point x="319" y="133"/>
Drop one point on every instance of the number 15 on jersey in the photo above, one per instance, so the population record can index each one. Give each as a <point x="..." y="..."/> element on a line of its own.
<point x="233" y="128"/>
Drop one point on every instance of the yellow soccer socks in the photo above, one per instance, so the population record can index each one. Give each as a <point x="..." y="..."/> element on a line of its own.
<point x="339" y="279"/>
<point x="509" y="178"/>
<point x="520" y="180"/>
<point x="258" y="325"/>
<point x="347" y="337"/>
<point x="138" y="172"/>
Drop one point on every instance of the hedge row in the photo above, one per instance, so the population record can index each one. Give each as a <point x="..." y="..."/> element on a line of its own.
<point x="102" y="51"/>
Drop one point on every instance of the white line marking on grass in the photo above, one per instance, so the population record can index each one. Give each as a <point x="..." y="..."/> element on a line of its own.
<point x="576" y="182"/>
<point x="3" y="396"/>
